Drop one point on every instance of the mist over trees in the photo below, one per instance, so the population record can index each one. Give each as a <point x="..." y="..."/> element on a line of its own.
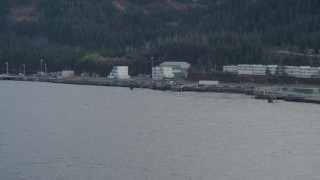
<point x="93" y="35"/>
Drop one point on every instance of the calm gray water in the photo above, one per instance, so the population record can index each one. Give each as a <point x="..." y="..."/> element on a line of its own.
<point x="56" y="131"/>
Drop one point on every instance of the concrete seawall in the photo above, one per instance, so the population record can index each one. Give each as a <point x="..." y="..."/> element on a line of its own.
<point x="158" y="85"/>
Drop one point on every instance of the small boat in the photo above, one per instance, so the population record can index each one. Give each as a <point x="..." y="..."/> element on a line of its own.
<point x="262" y="94"/>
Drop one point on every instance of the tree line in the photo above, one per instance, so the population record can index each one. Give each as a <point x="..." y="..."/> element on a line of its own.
<point x="211" y="33"/>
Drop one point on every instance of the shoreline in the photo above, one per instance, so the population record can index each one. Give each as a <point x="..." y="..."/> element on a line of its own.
<point x="181" y="86"/>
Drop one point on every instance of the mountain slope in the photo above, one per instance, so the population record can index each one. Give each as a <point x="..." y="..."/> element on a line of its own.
<point x="202" y="32"/>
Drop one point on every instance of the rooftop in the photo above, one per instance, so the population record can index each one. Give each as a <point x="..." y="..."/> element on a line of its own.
<point x="183" y="65"/>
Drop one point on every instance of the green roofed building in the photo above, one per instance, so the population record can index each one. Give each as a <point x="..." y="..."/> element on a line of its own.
<point x="307" y="90"/>
<point x="179" y="69"/>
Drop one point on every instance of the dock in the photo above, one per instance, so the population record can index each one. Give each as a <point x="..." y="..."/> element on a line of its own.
<point x="280" y="93"/>
<point x="259" y="92"/>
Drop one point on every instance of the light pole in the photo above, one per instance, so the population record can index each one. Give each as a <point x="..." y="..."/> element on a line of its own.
<point x="45" y="69"/>
<point x="7" y="67"/>
<point x="151" y="67"/>
<point x="41" y="65"/>
<point x="24" y="69"/>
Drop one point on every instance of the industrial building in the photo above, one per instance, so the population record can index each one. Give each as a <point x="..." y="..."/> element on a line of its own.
<point x="179" y="69"/>
<point x="160" y="73"/>
<point x="119" y="72"/>
<point x="254" y="69"/>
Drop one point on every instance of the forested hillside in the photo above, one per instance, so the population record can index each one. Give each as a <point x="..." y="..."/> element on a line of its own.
<point x="92" y="35"/>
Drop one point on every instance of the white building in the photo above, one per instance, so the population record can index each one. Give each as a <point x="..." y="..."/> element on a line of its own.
<point x="159" y="73"/>
<point x="296" y="71"/>
<point x="119" y="72"/>
<point x="230" y="68"/>
<point x="293" y="71"/>
<point x="303" y="71"/>
<point x="259" y="69"/>
<point x="245" y="69"/>
<point x="179" y="69"/>
<point x="67" y="74"/>
<point x="272" y="69"/>
<point x="307" y="72"/>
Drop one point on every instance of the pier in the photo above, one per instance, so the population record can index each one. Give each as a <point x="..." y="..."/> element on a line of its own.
<point x="259" y="92"/>
<point x="279" y="93"/>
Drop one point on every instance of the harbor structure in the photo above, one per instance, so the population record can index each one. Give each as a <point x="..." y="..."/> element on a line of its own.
<point x="208" y="83"/>
<point x="162" y="73"/>
<point x="258" y="69"/>
<point x="295" y="94"/>
<point x="119" y="72"/>
<point x="179" y="69"/>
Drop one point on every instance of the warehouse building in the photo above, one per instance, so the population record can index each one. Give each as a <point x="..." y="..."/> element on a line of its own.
<point x="179" y="69"/>
<point x="161" y="73"/>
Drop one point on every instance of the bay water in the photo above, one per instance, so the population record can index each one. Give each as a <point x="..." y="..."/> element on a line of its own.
<point x="57" y="131"/>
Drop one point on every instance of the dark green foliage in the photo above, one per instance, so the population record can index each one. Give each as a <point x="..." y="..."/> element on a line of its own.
<point x="142" y="2"/>
<point x="280" y="71"/>
<point x="18" y="53"/>
<point x="4" y="10"/>
<point x="214" y="32"/>
<point x="268" y="72"/>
